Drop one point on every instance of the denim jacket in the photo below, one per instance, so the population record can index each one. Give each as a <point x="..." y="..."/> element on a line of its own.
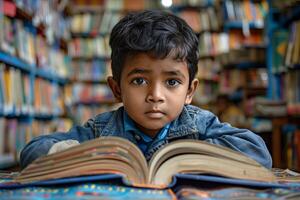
<point x="192" y="123"/>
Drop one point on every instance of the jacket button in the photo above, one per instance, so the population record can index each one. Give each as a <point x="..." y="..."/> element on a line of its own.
<point x="137" y="137"/>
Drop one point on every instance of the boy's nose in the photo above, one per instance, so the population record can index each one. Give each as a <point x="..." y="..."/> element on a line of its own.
<point x="155" y="94"/>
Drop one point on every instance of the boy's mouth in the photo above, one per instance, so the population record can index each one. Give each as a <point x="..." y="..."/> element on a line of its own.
<point x="155" y="113"/>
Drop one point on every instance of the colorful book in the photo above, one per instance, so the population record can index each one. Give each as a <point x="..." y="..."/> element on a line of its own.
<point x="88" y="191"/>
<point x="237" y="193"/>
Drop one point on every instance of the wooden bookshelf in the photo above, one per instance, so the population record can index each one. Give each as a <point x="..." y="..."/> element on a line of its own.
<point x="20" y="71"/>
<point x="283" y="27"/>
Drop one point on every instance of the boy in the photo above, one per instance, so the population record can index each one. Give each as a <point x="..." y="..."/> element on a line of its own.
<point x="154" y="63"/>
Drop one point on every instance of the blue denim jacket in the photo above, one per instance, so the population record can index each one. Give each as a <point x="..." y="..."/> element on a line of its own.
<point x="192" y="123"/>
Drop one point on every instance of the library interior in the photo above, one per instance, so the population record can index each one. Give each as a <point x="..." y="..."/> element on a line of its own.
<point x="55" y="59"/>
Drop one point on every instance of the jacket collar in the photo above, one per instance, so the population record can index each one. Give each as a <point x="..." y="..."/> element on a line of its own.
<point x="115" y="126"/>
<point x="182" y="126"/>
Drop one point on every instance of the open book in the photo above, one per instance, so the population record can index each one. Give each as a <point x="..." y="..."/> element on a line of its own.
<point x="120" y="156"/>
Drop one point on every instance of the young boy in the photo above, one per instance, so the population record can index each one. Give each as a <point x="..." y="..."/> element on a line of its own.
<point x="154" y="63"/>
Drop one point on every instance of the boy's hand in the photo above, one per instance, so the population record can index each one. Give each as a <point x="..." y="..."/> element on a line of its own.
<point x="62" y="145"/>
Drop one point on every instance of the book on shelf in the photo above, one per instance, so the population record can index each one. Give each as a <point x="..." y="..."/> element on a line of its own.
<point x="267" y="107"/>
<point x="83" y="112"/>
<point x="7" y="38"/>
<point x="192" y="18"/>
<point x="235" y="193"/>
<point x="13" y="137"/>
<point x="119" y="156"/>
<point x="89" y="48"/>
<point x="250" y="11"/>
<point x="290" y="139"/>
<point x="93" y="71"/>
<point x="284" y="5"/>
<point x="296" y="48"/>
<point x="11" y="81"/>
<point x="293" y="45"/>
<point x="292" y="91"/>
<point x="237" y="39"/>
<point x="279" y="42"/>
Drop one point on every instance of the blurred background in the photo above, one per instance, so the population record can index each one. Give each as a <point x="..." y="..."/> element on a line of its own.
<point x="55" y="57"/>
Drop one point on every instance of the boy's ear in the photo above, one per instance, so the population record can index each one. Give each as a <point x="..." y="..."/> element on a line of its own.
<point x="191" y="91"/>
<point x="115" y="88"/>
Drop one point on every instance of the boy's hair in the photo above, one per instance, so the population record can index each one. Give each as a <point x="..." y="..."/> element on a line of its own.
<point x="156" y="32"/>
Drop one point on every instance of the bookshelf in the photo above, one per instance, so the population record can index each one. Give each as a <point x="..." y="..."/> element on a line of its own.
<point x="90" y="26"/>
<point x="271" y="107"/>
<point x="232" y="63"/>
<point x="283" y="68"/>
<point x="204" y="19"/>
<point x="90" y="53"/>
<point x="33" y="62"/>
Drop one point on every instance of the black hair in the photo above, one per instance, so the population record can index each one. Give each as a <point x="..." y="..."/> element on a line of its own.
<point x="159" y="33"/>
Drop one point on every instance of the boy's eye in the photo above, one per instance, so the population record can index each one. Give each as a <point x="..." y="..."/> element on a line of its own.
<point x="173" y="82"/>
<point x="139" y="81"/>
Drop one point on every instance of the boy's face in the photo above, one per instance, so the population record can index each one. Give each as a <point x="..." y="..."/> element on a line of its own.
<point x="153" y="91"/>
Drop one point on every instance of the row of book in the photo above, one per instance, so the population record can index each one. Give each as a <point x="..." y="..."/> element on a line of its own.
<point x="262" y="107"/>
<point x="292" y="88"/>
<point x="286" y="48"/>
<point x="211" y="44"/>
<point x="239" y="84"/>
<point x="201" y="3"/>
<point x="97" y="47"/>
<point x="112" y="5"/>
<point x="292" y="56"/>
<point x="17" y="39"/>
<point x="87" y="93"/>
<point x="47" y="14"/>
<point x="20" y="39"/>
<point x="214" y="44"/>
<point x="30" y="45"/>
<point x="48" y="98"/>
<point x="208" y="69"/>
<point x="15" y="134"/>
<point x="91" y="71"/>
<point x="82" y="112"/>
<point x="284" y="4"/>
<point x="285" y="66"/>
<point x="246" y="10"/>
<point x="52" y="58"/>
<point x="201" y="19"/>
<point x="133" y="5"/>
<point x="94" y="23"/>
<point x="237" y="38"/>
<point x="244" y="57"/>
<point x="20" y="96"/>
<point x="101" y="23"/>
<point x="43" y="127"/>
<point x="291" y="146"/>
<point x="208" y="76"/>
<point x="233" y="79"/>
<point x="206" y="94"/>
<point x="293" y="47"/>
<point x="15" y="91"/>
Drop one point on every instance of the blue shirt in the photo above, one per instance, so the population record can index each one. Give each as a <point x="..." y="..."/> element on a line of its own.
<point x="144" y="141"/>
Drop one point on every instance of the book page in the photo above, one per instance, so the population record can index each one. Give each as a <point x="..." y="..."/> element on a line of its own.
<point x="98" y="156"/>
<point x="196" y="147"/>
